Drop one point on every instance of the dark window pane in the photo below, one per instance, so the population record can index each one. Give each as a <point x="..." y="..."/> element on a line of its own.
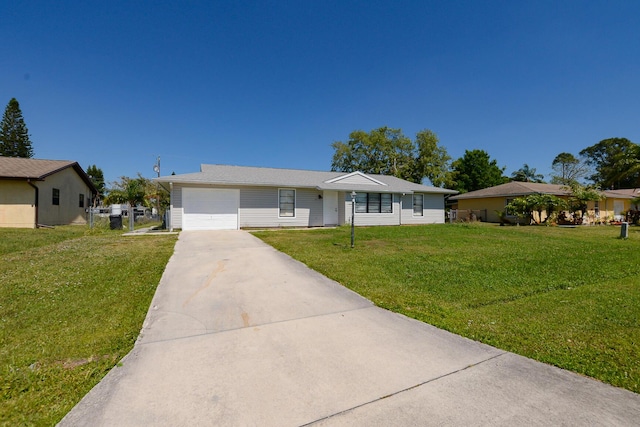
<point x="386" y="203"/>
<point x="361" y="202"/>
<point x="418" y="204"/>
<point x="373" y="206"/>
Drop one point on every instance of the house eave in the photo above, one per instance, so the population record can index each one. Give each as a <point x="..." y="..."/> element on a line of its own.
<point x="228" y="183"/>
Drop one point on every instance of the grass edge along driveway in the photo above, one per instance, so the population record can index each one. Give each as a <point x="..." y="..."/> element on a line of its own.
<point x="567" y="297"/>
<point x="72" y="303"/>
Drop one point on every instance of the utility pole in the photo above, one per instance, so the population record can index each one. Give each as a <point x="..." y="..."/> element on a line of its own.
<point x="156" y="167"/>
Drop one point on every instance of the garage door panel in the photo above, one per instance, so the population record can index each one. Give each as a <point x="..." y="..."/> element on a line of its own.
<point x="210" y="209"/>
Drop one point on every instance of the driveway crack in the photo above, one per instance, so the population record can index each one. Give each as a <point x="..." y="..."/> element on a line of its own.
<point x="405" y="389"/>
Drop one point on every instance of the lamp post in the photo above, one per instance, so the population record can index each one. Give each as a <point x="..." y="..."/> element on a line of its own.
<point x="353" y="217"/>
<point x="91" y="207"/>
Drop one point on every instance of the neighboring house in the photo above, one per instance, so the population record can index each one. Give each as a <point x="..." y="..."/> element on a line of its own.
<point x="37" y="192"/>
<point x="232" y="197"/>
<point x="614" y="205"/>
<point x="486" y="203"/>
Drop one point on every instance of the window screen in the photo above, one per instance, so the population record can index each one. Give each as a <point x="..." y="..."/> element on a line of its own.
<point x="287" y="203"/>
<point x="418" y="204"/>
<point x="374" y="203"/>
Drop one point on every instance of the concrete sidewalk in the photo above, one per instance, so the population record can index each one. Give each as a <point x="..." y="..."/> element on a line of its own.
<point x="240" y="334"/>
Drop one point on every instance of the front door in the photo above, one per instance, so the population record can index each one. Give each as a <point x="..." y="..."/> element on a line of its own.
<point x="330" y="207"/>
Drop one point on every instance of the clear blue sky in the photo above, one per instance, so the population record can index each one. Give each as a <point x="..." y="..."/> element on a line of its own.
<point x="274" y="83"/>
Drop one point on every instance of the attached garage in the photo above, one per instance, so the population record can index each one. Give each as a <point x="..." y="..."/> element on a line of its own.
<point x="210" y="208"/>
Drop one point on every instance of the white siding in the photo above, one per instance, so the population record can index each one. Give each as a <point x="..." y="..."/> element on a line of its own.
<point x="344" y="209"/>
<point x="259" y="208"/>
<point x="176" y="207"/>
<point x="433" y="210"/>
<point x="356" y="179"/>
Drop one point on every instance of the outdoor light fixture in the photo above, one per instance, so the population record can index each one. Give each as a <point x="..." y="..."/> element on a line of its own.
<point x="353" y="216"/>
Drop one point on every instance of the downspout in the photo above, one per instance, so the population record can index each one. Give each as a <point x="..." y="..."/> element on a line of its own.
<point x="37" y="194"/>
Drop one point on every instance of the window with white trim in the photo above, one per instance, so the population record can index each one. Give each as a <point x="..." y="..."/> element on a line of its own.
<point x="287" y="203"/>
<point x="374" y="203"/>
<point x="418" y="205"/>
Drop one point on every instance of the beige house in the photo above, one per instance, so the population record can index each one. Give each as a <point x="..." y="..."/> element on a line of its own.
<point x="486" y="203"/>
<point x="36" y="192"/>
<point x="613" y="205"/>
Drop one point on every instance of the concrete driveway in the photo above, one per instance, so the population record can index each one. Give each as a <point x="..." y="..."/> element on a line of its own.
<point x="240" y="334"/>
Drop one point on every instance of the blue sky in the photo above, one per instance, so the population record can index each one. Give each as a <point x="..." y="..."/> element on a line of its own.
<point x="274" y="83"/>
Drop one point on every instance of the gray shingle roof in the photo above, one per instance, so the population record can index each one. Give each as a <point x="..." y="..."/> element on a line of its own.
<point x="21" y="168"/>
<point x="273" y="177"/>
<point x="629" y="193"/>
<point x="514" y="188"/>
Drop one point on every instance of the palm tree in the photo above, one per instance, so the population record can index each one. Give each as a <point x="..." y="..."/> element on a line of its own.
<point x="526" y="174"/>
<point x="129" y="190"/>
<point x="628" y="166"/>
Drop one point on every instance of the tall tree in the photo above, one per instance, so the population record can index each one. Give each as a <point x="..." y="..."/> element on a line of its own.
<point x="615" y="161"/>
<point x="97" y="178"/>
<point x="388" y="151"/>
<point x="568" y="169"/>
<point x="527" y="174"/>
<point x="628" y="164"/>
<point x="14" y="135"/>
<point x="475" y="171"/>
<point x="382" y="151"/>
<point x="432" y="162"/>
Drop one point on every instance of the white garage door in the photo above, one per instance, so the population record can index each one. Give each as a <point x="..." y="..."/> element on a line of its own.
<point x="210" y="209"/>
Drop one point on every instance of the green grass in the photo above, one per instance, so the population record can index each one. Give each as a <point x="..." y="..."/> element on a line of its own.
<point x="568" y="297"/>
<point x="72" y="302"/>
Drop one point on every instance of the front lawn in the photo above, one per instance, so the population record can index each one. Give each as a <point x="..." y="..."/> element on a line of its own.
<point x="568" y="297"/>
<point x="72" y="302"/>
